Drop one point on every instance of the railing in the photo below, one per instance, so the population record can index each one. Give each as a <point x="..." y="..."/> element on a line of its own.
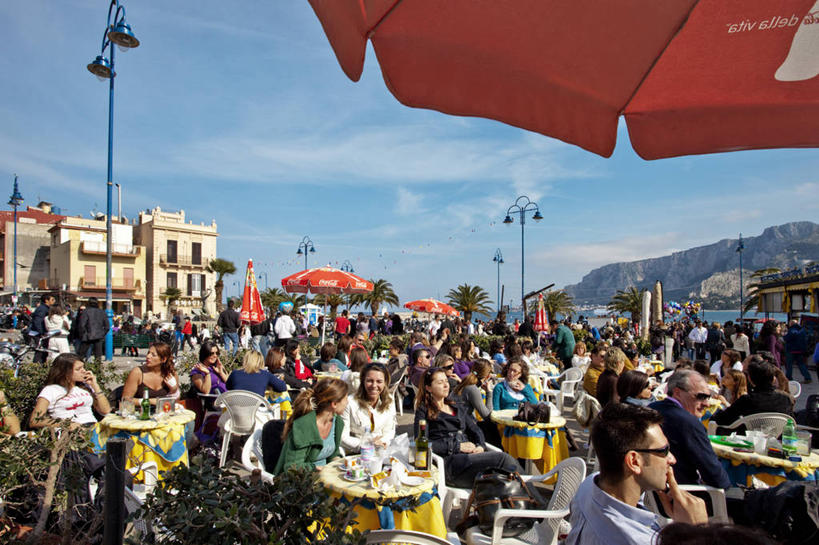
<point x="185" y="260"/>
<point x="98" y="283"/>
<point x="93" y="247"/>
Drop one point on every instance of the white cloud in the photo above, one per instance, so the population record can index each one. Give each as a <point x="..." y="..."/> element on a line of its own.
<point x="408" y="202"/>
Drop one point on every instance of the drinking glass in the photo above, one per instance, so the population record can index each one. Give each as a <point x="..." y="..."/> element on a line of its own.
<point x="126" y="407"/>
<point x="803" y="442"/>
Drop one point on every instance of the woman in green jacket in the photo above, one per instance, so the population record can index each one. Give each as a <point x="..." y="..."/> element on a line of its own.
<point x="312" y="433"/>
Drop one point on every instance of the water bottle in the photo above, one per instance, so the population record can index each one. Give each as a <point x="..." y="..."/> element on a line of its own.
<point x="789" y="438"/>
<point x="367" y="447"/>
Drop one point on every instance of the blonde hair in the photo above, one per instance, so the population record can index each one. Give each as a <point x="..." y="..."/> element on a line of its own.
<point x="253" y="361"/>
<point x="614" y="358"/>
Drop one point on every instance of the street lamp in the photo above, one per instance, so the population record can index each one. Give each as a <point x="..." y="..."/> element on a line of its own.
<point x="499" y="260"/>
<point x="265" y="278"/>
<point x="522" y="205"/>
<point x="118" y="32"/>
<point x="347" y="267"/>
<point x="306" y="245"/>
<point x="15" y="200"/>
<point x="740" y="248"/>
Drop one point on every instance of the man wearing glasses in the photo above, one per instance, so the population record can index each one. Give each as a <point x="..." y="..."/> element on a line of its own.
<point x="688" y="397"/>
<point x="634" y="457"/>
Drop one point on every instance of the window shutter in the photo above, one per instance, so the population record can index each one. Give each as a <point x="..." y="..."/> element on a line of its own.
<point x="190" y="284"/>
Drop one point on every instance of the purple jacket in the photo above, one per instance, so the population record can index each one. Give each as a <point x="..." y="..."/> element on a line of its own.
<point x="462" y="368"/>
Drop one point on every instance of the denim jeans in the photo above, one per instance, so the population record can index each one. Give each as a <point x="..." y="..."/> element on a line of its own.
<point x="234" y="338"/>
<point x="790" y="358"/>
<point x="259" y="343"/>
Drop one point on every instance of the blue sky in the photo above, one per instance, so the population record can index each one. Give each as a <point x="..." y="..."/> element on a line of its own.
<point x="239" y="112"/>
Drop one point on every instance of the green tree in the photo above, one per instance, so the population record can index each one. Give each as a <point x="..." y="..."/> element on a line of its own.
<point x="332" y="300"/>
<point x="751" y="302"/>
<point x="557" y="302"/>
<point x="298" y="299"/>
<point x="382" y="293"/>
<point x="628" y="300"/>
<point x="171" y="296"/>
<point x="353" y="300"/>
<point x="469" y="299"/>
<point x="220" y="267"/>
<point x="271" y="297"/>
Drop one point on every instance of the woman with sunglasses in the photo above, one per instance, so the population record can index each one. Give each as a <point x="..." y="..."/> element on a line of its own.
<point x="453" y="433"/>
<point x="208" y="376"/>
<point x="371" y="407"/>
<point x="514" y="389"/>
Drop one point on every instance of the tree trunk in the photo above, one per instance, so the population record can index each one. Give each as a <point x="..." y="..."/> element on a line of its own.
<point x="219" y="286"/>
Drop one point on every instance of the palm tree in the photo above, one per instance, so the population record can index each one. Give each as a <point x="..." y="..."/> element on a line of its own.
<point x="220" y="267"/>
<point x="332" y="300"/>
<point x="171" y="296"/>
<point x="298" y="299"/>
<point x="469" y="299"/>
<point x="557" y="302"/>
<point x="628" y="300"/>
<point x="382" y="293"/>
<point x="271" y="297"/>
<point x="354" y="299"/>
<point x="752" y="302"/>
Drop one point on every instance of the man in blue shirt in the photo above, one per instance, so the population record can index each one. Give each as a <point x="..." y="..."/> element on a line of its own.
<point x="634" y="458"/>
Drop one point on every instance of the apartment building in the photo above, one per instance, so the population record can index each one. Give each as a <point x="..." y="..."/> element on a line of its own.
<point x="177" y="256"/>
<point x="33" y="242"/>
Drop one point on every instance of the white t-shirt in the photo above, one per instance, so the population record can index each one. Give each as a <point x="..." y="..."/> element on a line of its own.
<point x="74" y="405"/>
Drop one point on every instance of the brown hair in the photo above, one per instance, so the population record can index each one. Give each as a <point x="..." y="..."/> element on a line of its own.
<point x="424" y="398"/>
<point x="274" y="359"/>
<point x="166" y="355"/>
<point x="319" y="398"/>
<point x="358" y="359"/>
<point x="61" y="368"/>
<point x="480" y="370"/>
<point x="327" y="352"/>
<point x="740" y="383"/>
<point x="344" y="343"/>
<point x="524" y="370"/>
<point x="385" y="399"/>
<point x="733" y="356"/>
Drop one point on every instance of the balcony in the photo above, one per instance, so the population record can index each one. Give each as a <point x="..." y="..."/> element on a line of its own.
<point x="119" y="250"/>
<point x="182" y="261"/>
<point x="117" y="283"/>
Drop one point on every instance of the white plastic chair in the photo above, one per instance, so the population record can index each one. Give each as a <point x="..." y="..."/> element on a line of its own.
<point x="719" y="512"/>
<point x="795" y="388"/>
<point x="242" y="407"/>
<point x="395" y="537"/>
<point x="453" y="499"/>
<point x="568" y="380"/>
<point x="570" y="473"/>
<point x="252" y="455"/>
<point x="770" y="423"/>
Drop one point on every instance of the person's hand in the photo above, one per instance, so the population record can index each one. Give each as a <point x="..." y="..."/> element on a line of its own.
<point x="379" y="442"/>
<point x="199" y="366"/>
<point x="90" y="379"/>
<point x="478" y="449"/>
<point x="681" y="505"/>
<point x="468" y="447"/>
<point x="516" y="385"/>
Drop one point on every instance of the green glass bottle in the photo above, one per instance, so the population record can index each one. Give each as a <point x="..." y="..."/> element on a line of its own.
<point x="146" y="406"/>
<point x="422" y="456"/>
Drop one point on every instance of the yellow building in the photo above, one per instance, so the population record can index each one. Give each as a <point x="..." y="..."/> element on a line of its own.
<point x="77" y="264"/>
<point x="795" y="291"/>
<point x="177" y="256"/>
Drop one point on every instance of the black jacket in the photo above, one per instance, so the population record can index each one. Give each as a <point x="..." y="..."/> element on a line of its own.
<point x="446" y="432"/>
<point x="38" y="319"/>
<point x="758" y="401"/>
<point x="229" y="321"/>
<point x="93" y="324"/>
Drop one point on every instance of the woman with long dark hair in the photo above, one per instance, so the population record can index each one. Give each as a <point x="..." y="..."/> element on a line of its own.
<point x="208" y="376"/>
<point x="771" y="341"/>
<point x="453" y="433"/>
<point x="312" y="433"/>
<point x="70" y="392"/>
<point x="633" y="387"/>
<point x="472" y="391"/>
<point x="371" y="407"/>
<point x="156" y="375"/>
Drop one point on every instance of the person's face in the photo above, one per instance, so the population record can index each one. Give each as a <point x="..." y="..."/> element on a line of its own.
<point x="213" y="357"/>
<point x="696" y="399"/>
<point x="49" y="301"/>
<point x="728" y="382"/>
<point x="359" y="338"/>
<point x="725" y="359"/>
<point x="581" y="349"/>
<point x="438" y="387"/>
<point x="296" y="353"/>
<point x="645" y="393"/>
<point x="513" y="372"/>
<point x="597" y="359"/>
<point x="374" y="384"/>
<point x="394" y="351"/>
<point x="340" y="406"/>
<point x="151" y="357"/>
<point x="423" y="359"/>
<point x="654" y="467"/>
<point x="620" y="367"/>
<point x="78" y="372"/>
<point x="456" y="352"/>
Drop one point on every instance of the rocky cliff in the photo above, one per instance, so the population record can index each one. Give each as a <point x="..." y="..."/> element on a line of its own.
<point x="706" y="273"/>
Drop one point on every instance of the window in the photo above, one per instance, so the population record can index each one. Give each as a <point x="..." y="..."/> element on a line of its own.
<point x="172" y="251"/>
<point x="196" y="253"/>
<point x="195" y="285"/>
<point x="171" y="280"/>
<point x="89" y="275"/>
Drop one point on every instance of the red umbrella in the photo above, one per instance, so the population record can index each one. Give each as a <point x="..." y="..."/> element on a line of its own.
<point x="252" y="310"/>
<point x="431" y="306"/>
<point x="690" y="76"/>
<point x="541" y="320"/>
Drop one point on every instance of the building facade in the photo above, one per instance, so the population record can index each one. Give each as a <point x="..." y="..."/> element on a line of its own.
<point x="177" y="256"/>
<point x="78" y="263"/>
<point x="33" y="242"/>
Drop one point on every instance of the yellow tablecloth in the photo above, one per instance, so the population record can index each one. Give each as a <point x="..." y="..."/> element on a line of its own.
<point x="742" y="466"/>
<point x="161" y="441"/>
<point x="713" y="408"/>
<point x="544" y="443"/>
<point x="388" y="509"/>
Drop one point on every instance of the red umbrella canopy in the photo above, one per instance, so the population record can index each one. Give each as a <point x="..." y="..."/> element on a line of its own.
<point x="433" y="306"/>
<point x="252" y="310"/>
<point x="690" y="76"/>
<point x="325" y="280"/>
<point x="541" y="320"/>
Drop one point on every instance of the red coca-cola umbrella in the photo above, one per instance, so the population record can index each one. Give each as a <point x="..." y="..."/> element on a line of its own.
<point x="252" y="311"/>
<point x="690" y="76"/>
<point x="541" y="319"/>
<point x="432" y="306"/>
<point x="325" y="280"/>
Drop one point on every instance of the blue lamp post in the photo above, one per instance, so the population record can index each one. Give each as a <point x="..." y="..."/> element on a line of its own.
<point x="118" y="32"/>
<point x="522" y="205"/>
<point x="305" y="246"/>
<point x="740" y="248"/>
<point x="265" y="278"/>
<point x="347" y="267"/>
<point x="499" y="260"/>
<point x="15" y="200"/>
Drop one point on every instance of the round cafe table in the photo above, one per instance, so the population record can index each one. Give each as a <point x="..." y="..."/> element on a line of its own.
<point x="544" y="444"/>
<point x="161" y="441"/>
<point x="415" y="508"/>
<point x="743" y="466"/>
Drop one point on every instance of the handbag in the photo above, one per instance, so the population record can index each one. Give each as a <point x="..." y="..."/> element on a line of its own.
<point x="499" y="489"/>
<point x="533" y="413"/>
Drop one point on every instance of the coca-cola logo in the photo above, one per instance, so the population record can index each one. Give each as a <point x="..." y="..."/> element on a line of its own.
<point x="328" y="283"/>
<point x="811" y="18"/>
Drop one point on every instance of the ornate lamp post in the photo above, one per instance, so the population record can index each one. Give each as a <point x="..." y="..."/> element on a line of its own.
<point x="347" y="267"/>
<point x="306" y="245"/>
<point x="15" y="200"/>
<point x="265" y="278"/>
<point x="740" y="248"/>
<point x="522" y="205"/>
<point x="117" y="31"/>
<point x="499" y="260"/>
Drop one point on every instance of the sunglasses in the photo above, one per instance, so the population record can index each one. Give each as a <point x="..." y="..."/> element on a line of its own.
<point x="702" y="396"/>
<point x="662" y="451"/>
<point x="214" y="353"/>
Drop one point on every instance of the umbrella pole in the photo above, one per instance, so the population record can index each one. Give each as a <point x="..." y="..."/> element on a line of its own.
<point x="324" y="322"/>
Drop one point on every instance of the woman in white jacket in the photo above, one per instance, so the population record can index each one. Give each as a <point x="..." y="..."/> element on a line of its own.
<point x="370" y="407"/>
<point x="57" y="320"/>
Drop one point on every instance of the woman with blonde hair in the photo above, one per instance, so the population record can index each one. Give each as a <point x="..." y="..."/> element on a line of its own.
<point x="371" y="407"/>
<point x="312" y="433"/>
<point x="253" y="377"/>
<point x="734" y="385"/>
